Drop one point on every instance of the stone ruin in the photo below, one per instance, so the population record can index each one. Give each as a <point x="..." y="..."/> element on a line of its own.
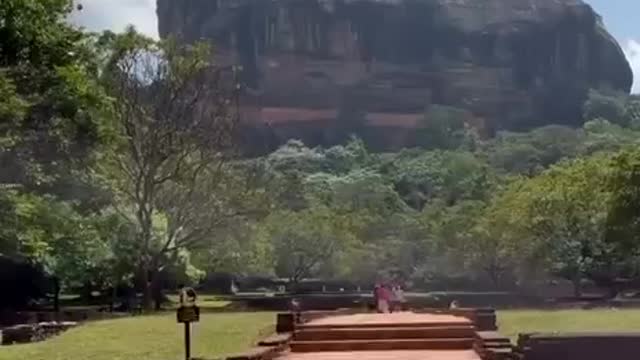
<point x="28" y="333"/>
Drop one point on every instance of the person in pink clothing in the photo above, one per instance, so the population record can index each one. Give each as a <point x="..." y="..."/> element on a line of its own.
<point x="383" y="297"/>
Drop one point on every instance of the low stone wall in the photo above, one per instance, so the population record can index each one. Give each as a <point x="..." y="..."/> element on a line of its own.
<point x="307" y="301"/>
<point x="11" y="318"/>
<point x="491" y="345"/>
<point x="285" y="322"/>
<point x="28" y="333"/>
<point x="579" y="346"/>
<point x="484" y="319"/>
<point x="266" y="349"/>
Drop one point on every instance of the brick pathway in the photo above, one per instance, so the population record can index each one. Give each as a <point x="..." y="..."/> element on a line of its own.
<point x="395" y="319"/>
<point x="386" y="355"/>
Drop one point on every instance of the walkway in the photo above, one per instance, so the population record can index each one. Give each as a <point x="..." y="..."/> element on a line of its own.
<point x="387" y="355"/>
<point x="401" y="319"/>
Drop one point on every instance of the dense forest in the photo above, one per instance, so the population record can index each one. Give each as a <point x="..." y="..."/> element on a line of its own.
<point x="119" y="167"/>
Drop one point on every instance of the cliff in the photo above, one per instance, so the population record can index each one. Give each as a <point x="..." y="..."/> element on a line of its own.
<point x="319" y="69"/>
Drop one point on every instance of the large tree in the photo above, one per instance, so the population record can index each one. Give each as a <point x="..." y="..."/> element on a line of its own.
<point x="620" y="264"/>
<point x="50" y="102"/>
<point x="557" y="219"/>
<point x="175" y="112"/>
<point x="304" y="243"/>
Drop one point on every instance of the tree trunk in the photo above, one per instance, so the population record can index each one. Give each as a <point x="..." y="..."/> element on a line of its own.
<point x="56" y="295"/>
<point x="87" y="292"/>
<point x="614" y="289"/>
<point x="495" y="279"/>
<point x="156" y="286"/>
<point x="146" y="288"/>
<point x="577" y="286"/>
<point x="114" y="297"/>
<point x="494" y="273"/>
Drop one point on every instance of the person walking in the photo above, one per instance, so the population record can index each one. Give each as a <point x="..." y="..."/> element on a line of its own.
<point x="399" y="301"/>
<point x="382" y="299"/>
<point x="376" y="293"/>
<point x="393" y="304"/>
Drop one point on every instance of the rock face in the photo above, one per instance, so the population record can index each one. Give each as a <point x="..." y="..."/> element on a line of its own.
<point x="320" y="69"/>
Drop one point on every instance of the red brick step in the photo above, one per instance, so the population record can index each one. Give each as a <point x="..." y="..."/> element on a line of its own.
<point x="380" y="325"/>
<point x="452" y="332"/>
<point x="380" y="345"/>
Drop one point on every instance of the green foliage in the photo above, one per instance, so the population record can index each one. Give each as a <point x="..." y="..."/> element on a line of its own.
<point x="606" y="105"/>
<point x="51" y="103"/>
<point x="529" y="153"/>
<point x="73" y="247"/>
<point x="622" y="259"/>
<point x="305" y="242"/>
<point x="557" y="218"/>
<point x="359" y="190"/>
<point x="295" y="156"/>
<point x="451" y="176"/>
<point x="444" y="128"/>
<point x="603" y="136"/>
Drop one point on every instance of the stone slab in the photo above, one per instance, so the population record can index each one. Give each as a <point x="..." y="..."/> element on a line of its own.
<point x="386" y="355"/>
<point x="403" y="319"/>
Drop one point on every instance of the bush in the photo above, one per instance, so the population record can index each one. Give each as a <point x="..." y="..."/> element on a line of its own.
<point x="21" y="283"/>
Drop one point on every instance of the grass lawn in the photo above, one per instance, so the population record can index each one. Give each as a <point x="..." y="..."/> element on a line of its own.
<point x="156" y="337"/>
<point x="204" y="301"/>
<point x="511" y="323"/>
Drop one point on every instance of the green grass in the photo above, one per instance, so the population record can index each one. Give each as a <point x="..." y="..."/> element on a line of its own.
<point x="159" y="337"/>
<point x="511" y="323"/>
<point x="204" y="301"/>
<point x="156" y="337"/>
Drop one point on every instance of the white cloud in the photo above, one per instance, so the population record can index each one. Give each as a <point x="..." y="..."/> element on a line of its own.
<point x="98" y="15"/>
<point x="632" y="51"/>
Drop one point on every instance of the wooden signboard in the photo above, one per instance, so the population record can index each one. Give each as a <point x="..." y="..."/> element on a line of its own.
<point x="188" y="314"/>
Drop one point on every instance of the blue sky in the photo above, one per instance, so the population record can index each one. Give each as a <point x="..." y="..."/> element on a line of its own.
<point x="620" y="16"/>
<point x="622" y="19"/>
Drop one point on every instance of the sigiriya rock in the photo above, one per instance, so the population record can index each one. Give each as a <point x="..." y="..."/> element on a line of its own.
<point x="319" y="70"/>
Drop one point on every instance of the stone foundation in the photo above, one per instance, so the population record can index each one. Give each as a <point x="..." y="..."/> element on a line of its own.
<point x="28" y="333"/>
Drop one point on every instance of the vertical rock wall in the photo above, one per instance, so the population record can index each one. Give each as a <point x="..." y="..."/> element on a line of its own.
<point x="511" y="63"/>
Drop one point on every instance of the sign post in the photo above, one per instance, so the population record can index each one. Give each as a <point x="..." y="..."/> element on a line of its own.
<point x="188" y="312"/>
<point x="187" y="341"/>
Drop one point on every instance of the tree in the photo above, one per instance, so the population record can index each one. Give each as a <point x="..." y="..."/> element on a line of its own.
<point x="175" y="114"/>
<point x="606" y="105"/>
<point x="604" y="136"/>
<point x="50" y="101"/>
<point x="531" y="152"/>
<point x="620" y="264"/>
<point x="452" y="176"/>
<point x="444" y="128"/>
<point x="559" y="216"/>
<point x="305" y="242"/>
<point x="52" y="124"/>
<point x="500" y="244"/>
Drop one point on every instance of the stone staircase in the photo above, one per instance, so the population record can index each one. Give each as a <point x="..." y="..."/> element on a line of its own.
<point x="382" y="337"/>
